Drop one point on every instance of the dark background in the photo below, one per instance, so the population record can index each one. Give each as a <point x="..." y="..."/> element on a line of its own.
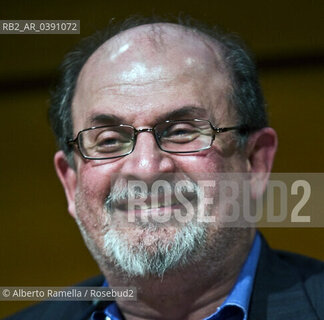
<point x="40" y="243"/>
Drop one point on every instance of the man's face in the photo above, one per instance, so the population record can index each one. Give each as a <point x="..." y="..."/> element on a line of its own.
<point x="133" y="80"/>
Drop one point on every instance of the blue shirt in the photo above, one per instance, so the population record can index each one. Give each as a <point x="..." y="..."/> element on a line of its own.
<point x="236" y="305"/>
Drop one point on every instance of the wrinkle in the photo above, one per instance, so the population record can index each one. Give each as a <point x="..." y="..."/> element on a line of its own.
<point x="125" y="84"/>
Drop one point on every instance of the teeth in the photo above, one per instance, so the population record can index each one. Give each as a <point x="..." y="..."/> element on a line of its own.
<point x="160" y="205"/>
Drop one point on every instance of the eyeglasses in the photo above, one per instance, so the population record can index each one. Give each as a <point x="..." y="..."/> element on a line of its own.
<point x="173" y="136"/>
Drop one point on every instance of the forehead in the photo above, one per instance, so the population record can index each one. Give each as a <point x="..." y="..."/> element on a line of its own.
<point x="148" y="66"/>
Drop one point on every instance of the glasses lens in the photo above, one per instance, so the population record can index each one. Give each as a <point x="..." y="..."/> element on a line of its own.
<point x="184" y="136"/>
<point x="107" y="142"/>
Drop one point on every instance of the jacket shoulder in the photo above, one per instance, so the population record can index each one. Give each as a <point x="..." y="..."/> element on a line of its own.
<point x="287" y="286"/>
<point x="311" y="272"/>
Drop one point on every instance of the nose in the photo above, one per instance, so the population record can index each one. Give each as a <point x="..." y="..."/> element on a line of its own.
<point x="147" y="162"/>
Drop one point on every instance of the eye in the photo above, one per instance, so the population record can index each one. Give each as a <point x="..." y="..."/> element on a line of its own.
<point x="111" y="141"/>
<point x="107" y="142"/>
<point x="180" y="133"/>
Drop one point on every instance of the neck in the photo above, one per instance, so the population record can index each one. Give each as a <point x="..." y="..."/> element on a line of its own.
<point x="189" y="293"/>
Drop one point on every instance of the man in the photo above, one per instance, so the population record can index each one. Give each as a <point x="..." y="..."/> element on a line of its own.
<point x="181" y="104"/>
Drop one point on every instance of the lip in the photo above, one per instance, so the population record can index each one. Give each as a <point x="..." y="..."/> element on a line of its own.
<point x="154" y="205"/>
<point x="155" y="212"/>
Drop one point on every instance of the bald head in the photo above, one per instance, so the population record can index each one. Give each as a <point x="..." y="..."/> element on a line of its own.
<point x="149" y="53"/>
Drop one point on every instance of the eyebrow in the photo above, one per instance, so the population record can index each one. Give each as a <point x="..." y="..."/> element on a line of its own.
<point x="102" y="119"/>
<point x="186" y="111"/>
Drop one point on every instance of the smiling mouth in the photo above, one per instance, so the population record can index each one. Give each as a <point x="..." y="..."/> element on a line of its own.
<point x="156" y="204"/>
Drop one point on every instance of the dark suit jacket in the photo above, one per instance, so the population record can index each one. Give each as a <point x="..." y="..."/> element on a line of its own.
<point x="287" y="287"/>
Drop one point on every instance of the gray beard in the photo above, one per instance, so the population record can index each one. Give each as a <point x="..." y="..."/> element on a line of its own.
<point x="157" y="256"/>
<point x="141" y="260"/>
<point x="189" y="246"/>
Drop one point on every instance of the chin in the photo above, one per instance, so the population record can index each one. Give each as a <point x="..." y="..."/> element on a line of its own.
<point x="143" y="251"/>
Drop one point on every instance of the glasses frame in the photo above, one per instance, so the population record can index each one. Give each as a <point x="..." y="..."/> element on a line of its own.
<point x="216" y="130"/>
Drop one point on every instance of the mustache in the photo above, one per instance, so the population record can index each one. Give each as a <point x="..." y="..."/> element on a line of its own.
<point x="121" y="192"/>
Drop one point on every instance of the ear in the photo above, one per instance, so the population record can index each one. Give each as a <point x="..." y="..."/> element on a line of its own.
<point x="67" y="176"/>
<point x="261" y="149"/>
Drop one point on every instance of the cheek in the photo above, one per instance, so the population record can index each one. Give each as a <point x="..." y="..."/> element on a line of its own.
<point x="94" y="181"/>
<point x="93" y="186"/>
<point x="203" y="163"/>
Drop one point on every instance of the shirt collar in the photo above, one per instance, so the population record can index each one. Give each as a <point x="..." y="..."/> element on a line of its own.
<point x="239" y="297"/>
